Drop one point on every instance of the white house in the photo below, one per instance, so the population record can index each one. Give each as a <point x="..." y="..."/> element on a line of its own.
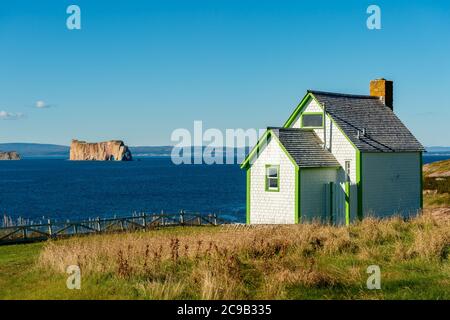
<point x="339" y="157"/>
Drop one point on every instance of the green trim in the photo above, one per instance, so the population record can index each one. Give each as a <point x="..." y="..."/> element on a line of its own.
<point x="287" y="124"/>
<point x="300" y="107"/>
<point x="311" y="113"/>
<point x="359" y="184"/>
<point x="331" y="201"/>
<point x="284" y="149"/>
<point x="268" y="134"/>
<point x="297" y="110"/>
<point x="248" y="196"/>
<point x="421" y="179"/>
<point x="347" y="203"/>
<point x="255" y="150"/>
<point x="268" y="189"/>
<point x="297" y="214"/>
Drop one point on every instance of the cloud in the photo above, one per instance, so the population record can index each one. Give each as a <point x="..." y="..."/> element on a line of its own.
<point x="41" y="104"/>
<point x="10" y="115"/>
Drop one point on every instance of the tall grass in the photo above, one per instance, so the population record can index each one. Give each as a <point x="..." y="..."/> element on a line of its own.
<point x="265" y="262"/>
<point x="440" y="184"/>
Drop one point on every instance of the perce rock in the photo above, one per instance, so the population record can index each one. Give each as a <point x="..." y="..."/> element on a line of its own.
<point x="10" y="155"/>
<point x="102" y="151"/>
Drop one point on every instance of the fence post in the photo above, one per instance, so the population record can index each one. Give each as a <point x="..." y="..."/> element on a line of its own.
<point x="181" y="217"/>
<point x="98" y="224"/>
<point x="50" y="231"/>
<point x="144" y="220"/>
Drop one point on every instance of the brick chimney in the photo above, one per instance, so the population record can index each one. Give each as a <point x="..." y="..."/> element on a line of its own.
<point x="385" y="89"/>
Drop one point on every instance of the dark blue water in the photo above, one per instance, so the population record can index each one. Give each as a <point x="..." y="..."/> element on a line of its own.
<point x="433" y="157"/>
<point x="61" y="189"/>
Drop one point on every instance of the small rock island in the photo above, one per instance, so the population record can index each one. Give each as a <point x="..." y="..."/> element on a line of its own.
<point x="10" y="155"/>
<point x="114" y="150"/>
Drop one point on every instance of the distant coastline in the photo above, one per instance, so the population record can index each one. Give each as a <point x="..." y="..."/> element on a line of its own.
<point x="37" y="150"/>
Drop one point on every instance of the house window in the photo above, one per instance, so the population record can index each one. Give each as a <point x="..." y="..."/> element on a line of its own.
<point x="312" y="120"/>
<point x="272" y="177"/>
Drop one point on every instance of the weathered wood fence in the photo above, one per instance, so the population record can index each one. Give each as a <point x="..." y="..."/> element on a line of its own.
<point x="141" y="221"/>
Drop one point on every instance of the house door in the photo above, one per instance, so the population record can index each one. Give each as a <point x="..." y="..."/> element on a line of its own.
<point x="338" y="202"/>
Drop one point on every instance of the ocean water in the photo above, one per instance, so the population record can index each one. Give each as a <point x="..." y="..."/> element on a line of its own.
<point x="433" y="157"/>
<point x="61" y="189"/>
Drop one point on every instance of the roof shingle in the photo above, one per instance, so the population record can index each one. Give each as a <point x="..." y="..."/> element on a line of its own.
<point x="305" y="148"/>
<point x="384" y="130"/>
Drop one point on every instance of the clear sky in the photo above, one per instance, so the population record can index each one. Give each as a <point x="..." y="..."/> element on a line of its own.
<point x="137" y="70"/>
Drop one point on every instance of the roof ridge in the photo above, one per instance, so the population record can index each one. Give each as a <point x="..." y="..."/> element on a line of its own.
<point x="288" y="129"/>
<point x="348" y="95"/>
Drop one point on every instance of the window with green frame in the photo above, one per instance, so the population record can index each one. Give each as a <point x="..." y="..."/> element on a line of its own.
<point x="272" y="177"/>
<point x="312" y="120"/>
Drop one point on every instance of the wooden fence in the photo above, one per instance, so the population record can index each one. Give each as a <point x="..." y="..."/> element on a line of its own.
<point x="141" y="221"/>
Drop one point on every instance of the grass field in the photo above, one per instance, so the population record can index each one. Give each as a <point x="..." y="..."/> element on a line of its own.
<point x="436" y="184"/>
<point x="306" y="261"/>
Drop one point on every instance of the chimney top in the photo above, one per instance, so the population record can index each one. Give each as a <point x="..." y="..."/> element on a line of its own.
<point x="384" y="89"/>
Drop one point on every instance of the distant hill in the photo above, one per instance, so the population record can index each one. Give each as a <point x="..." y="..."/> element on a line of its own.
<point x="36" y="150"/>
<point x="147" y="151"/>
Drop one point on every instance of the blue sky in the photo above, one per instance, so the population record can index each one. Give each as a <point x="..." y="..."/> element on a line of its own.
<point x="137" y="70"/>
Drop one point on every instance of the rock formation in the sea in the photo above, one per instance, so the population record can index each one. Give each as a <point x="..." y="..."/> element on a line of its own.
<point x="102" y="151"/>
<point x="10" y="155"/>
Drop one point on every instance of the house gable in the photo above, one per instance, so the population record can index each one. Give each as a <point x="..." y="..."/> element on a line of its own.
<point x="260" y="146"/>
<point x="272" y="206"/>
<point x="337" y="142"/>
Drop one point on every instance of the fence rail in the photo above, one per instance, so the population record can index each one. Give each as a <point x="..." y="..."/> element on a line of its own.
<point x="142" y="221"/>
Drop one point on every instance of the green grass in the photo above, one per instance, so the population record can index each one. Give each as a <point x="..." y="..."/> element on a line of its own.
<point x="436" y="200"/>
<point x="437" y="187"/>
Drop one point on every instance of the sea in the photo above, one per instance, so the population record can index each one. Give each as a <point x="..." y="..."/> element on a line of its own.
<point x="38" y="189"/>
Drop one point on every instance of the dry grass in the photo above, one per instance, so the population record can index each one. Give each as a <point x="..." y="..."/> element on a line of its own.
<point x="251" y="262"/>
<point x="437" y="169"/>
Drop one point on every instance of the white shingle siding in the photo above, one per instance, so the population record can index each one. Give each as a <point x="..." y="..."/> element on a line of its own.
<point x="391" y="183"/>
<point x="314" y="204"/>
<point x="337" y="143"/>
<point x="272" y="207"/>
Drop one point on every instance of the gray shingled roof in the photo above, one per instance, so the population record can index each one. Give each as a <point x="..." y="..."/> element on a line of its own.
<point x="384" y="131"/>
<point x="305" y="148"/>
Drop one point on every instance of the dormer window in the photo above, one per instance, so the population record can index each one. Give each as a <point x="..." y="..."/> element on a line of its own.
<point x="312" y="120"/>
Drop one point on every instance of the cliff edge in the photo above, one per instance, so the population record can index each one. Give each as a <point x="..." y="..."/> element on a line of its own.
<point x="10" y="155"/>
<point x="101" y="151"/>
